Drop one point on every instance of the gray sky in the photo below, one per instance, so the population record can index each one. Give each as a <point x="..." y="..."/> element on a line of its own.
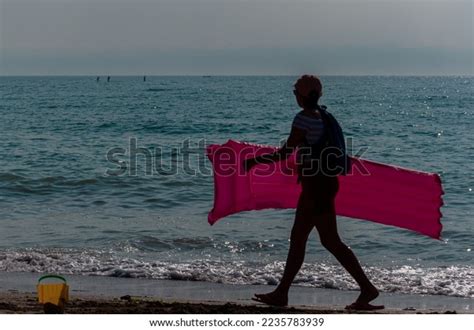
<point x="236" y="37"/>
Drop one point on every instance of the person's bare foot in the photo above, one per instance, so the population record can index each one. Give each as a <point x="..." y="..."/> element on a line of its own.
<point x="274" y="298"/>
<point x="366" y="296"/>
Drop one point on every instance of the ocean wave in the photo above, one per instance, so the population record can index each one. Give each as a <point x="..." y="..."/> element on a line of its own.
<point x="47" y="180"/>
<point x="10" y="177"/>
<point x="18" y="183"/>
<point x="159" y="89"/>
<point x="407" y="279"/>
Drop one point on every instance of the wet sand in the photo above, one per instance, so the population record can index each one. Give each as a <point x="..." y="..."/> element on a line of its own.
<point x="27" y="303"/>
<point x="12" y="302"/>
<point x="106" y="295"/>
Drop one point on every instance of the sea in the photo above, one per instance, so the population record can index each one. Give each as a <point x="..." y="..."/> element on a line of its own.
<point x="111" y="178"/>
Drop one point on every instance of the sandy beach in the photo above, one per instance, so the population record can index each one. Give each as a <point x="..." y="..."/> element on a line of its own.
<point x="26" y="303"/>
<point x="106" y="295"/>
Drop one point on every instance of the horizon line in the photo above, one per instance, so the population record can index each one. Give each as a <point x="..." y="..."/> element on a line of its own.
<point x="237" y="75"/>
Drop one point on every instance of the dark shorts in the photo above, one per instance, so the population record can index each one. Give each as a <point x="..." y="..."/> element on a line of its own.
<point x="321" y="191"/>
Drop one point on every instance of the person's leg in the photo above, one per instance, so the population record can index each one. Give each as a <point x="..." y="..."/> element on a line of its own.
<point x="302" y="227"/>
<point x="299" y="235"/>
<point x="327" y="229"/>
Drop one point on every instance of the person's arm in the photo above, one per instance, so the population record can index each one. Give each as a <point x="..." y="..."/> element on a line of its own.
<point x="295" y="139"/>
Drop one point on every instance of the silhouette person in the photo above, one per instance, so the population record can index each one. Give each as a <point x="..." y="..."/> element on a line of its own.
<point x="316" y="207"/>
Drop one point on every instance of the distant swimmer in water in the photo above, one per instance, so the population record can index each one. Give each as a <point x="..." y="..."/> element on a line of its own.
<point x="108" y="78"/>
<point x="144" y="78"/>
<point x="98" y="78"/>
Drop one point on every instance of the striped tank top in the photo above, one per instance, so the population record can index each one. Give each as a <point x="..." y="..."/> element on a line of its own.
<point x="313" y="127"/>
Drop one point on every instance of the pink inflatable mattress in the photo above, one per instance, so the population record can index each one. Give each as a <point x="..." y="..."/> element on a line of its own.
<point x="376" y="192"/>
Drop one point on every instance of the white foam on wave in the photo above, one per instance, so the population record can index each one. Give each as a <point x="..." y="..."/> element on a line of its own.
<point x="448" y="281"/>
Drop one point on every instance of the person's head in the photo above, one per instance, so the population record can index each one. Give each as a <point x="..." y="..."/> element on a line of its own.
<point x="308" y="90"/>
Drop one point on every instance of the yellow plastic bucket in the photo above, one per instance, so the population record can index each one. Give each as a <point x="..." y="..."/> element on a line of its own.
<point x="54" y="293"/>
